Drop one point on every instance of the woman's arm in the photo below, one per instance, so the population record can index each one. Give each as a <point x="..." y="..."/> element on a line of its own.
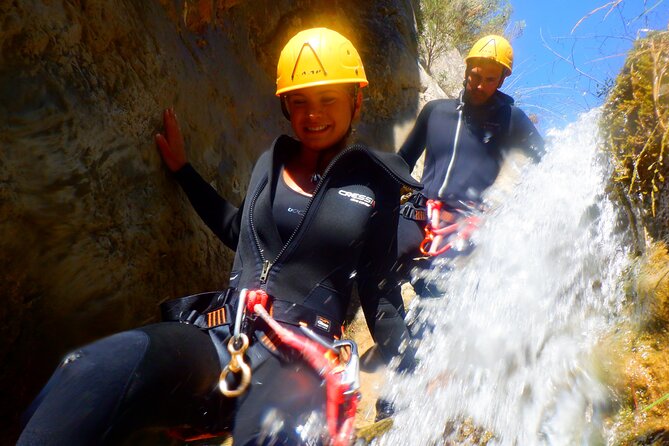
<point x="220" y="216"/>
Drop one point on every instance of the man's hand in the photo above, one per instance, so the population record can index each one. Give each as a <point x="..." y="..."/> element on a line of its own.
<point x="171" y="145"/>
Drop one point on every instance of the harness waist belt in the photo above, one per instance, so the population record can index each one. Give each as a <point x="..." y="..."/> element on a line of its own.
<point x="418" y="200"/>
<point x="213" y="309"/>
<point x="409" y="211"/>
<point x="204" y="310"/>
<point x="296" y="314"/>
<point x="414" y="208"/>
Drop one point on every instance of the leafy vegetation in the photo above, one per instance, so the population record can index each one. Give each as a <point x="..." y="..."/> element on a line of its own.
<point x="635" y="125"/>
<point x="458" y="23"/>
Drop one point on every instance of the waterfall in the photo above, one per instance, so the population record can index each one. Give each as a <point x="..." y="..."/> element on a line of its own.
<point x="511" y="346"/>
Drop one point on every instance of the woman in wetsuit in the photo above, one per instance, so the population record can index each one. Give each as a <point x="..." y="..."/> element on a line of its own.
<point x="317" y="218"/>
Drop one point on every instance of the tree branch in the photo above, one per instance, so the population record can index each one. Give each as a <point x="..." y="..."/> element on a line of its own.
<point x="613" y="4"/>
<point x="571" y="62"/>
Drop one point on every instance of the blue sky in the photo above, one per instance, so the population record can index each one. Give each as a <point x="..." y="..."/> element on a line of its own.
<point x="556" y="90"/>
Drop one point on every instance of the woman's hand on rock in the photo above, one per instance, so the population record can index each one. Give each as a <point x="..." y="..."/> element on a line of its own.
<point x="171" y="144"/>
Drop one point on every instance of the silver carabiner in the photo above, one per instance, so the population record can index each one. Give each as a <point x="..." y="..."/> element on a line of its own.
<point x="351" y="373"/>
<point x="241" y="306"/>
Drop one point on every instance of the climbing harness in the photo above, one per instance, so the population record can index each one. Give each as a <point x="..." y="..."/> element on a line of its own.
<point x="412" y="206"/>
<point x="454" y="234"/>
<point x="327" y="359"/>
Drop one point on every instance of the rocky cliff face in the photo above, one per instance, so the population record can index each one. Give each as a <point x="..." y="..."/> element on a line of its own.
<point x="94" y="232"/>
<point x="634" y="126"/>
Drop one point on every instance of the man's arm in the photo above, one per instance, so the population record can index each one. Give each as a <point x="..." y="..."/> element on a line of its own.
<point x="416" y="142"/>
<point x="524" y="135"/>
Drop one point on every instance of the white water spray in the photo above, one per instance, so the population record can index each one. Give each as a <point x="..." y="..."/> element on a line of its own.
<point x="511" y="348"/>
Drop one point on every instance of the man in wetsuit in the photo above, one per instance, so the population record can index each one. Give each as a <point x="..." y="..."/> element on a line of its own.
<point x="465" y="142"/>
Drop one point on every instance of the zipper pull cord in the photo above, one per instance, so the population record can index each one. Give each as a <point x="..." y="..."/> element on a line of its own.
<point x="442" y="189"/>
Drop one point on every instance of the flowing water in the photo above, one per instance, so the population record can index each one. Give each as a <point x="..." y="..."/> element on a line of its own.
<point x="511" y="347"/>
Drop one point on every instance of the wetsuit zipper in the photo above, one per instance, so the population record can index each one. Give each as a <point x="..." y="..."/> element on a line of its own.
<point x="456" y="139"/>
<point x="254" y="231"/>
<point x="267" y="264"/>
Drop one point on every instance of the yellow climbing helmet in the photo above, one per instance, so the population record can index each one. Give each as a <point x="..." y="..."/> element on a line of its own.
<point x="493" y="47"/>
<point x="318" y="56"/>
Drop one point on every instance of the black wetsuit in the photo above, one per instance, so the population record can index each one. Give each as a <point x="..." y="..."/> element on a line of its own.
<point x="166" y="374"/>
<point x="288" y="208"/>
<point x="487" y="133"/>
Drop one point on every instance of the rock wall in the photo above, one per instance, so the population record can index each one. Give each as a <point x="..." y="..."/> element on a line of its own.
<point x="94" y="232"/>
<point x="636" y="134"/>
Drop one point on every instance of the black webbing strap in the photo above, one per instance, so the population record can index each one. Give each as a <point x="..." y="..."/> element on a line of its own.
<point x="296" y="314"/>
<point x="411" y="212"/>
<point x="205" y="310"/>
<point x="418" y="200"/>
<point x="414" y="208"/>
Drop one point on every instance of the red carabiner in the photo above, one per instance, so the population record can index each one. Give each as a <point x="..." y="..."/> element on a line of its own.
<point x="254" y="297"/>
<point x="433" y="212"/>
<point x="429" y="246"/>
<point x="434" y="235"/>
<point x="461" y="229"/>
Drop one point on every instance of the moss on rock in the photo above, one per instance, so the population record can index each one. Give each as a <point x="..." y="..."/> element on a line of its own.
<point x="635" y="125"/>
<point x="634" y="358"/>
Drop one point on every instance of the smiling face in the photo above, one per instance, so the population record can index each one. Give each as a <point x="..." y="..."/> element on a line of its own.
<point x="483" y="78"/>
<point x="321" y="116"/>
